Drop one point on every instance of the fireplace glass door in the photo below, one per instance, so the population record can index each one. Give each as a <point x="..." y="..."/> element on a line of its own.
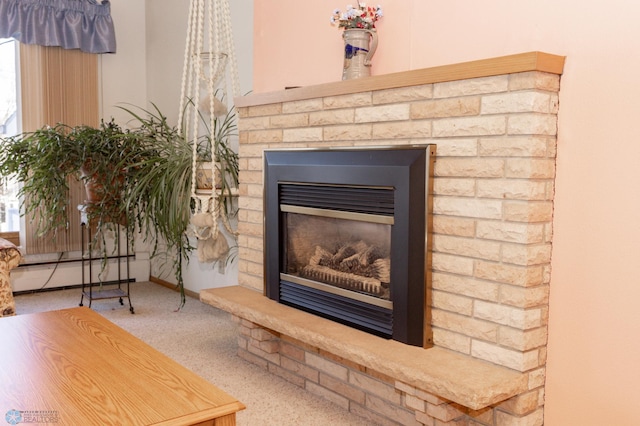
<point x="339" y="252"/>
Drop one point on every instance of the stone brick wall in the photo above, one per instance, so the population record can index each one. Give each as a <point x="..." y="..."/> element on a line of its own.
<point x="492" y="205"/>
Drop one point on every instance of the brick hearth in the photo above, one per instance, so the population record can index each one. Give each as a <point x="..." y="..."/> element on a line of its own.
<point x="494" y="123"/>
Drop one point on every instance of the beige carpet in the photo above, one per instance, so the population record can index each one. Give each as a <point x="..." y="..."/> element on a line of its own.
<point x="203" y="339"/>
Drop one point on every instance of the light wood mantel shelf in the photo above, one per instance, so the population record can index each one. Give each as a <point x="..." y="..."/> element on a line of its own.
<point x="522" y="62"/>
<point x="471" y="382"/>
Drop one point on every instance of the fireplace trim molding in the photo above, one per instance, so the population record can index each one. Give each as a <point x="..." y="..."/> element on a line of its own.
<point x="408" y="170"/>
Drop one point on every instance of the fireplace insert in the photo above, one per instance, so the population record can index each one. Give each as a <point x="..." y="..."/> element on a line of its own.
<point x="346" y="236"/>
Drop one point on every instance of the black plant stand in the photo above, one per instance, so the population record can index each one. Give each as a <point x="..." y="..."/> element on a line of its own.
<point x="118" y="289"/>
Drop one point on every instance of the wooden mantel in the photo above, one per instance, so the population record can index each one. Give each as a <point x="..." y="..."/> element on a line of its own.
<point x="522" y="62"/>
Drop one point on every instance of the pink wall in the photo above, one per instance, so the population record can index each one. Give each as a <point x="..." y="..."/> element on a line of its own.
<point x="593" y="369"/>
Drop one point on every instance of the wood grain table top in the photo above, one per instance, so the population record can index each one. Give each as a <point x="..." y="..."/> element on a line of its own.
<point x="80" y="367"/>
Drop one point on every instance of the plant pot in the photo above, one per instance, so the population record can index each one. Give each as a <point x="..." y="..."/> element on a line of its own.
<point x="204" y="176"/>
<point x="93" y="185"/>
<point x="101" y="202"/>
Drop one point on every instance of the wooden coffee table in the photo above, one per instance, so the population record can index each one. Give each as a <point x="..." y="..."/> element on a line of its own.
<point x="75" y="367"/>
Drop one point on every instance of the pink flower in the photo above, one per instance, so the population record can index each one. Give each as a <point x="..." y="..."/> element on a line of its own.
<point x="362" y="16"/>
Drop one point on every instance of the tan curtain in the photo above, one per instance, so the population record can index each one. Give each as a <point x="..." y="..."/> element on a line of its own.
<point x="58" y="86"/>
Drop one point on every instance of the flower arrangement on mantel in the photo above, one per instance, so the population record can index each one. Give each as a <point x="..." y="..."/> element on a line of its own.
<point x="360" y="17"/>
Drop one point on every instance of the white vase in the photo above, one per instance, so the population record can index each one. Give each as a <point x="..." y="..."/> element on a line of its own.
<point x="359" y="47"/>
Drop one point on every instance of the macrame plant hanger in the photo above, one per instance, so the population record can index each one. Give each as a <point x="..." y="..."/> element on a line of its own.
<point x="209" y="61"/>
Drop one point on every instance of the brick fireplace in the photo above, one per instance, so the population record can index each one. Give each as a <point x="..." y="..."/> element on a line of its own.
<point x="494" y="123"/>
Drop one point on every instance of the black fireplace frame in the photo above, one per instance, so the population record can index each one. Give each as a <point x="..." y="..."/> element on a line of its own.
<point x="407" y="170"/>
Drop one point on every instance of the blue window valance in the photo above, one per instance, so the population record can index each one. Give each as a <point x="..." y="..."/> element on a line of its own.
<point x="70" y="24"/>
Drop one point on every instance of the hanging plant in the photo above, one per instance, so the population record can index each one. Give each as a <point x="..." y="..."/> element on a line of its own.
<point x="159" y="188"/>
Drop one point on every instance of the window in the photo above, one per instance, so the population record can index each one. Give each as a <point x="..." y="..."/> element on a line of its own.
<point x="9" y="125"/>
<point x="58" y="86"/>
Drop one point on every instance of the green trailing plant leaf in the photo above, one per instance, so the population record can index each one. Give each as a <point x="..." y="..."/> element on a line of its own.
<point x="160" y="194"/>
